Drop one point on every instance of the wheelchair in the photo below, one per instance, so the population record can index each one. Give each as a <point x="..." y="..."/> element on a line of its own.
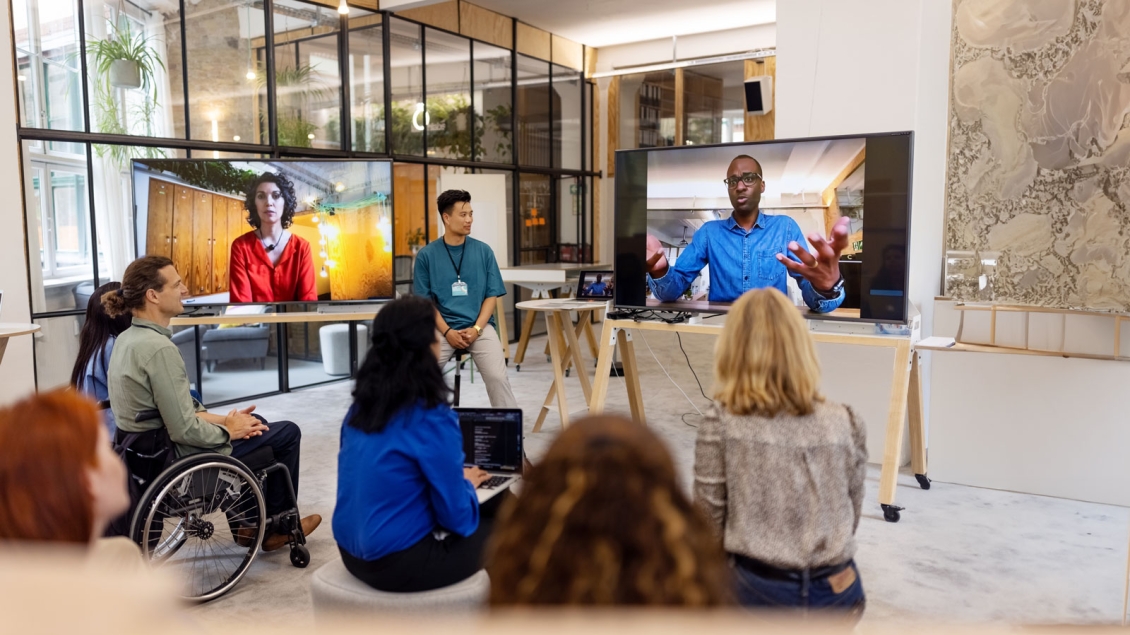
<point x="203" y="517"/>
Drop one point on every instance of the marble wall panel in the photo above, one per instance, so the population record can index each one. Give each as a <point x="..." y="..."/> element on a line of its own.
<point x="1038" y="174"/>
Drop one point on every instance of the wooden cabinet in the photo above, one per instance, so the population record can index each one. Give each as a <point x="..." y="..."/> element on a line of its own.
<point x="159" y="232"/>
<point x="195" y="228"/>
<point x="182" y="234"/>
<point x="201" y="244"/>
<point x="221" y="244"/>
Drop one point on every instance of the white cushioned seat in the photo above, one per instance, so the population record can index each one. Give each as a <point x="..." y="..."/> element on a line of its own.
<point x="336" y="591"/>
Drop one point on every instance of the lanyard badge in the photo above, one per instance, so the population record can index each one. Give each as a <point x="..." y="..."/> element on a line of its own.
<point x="458" y="288"/>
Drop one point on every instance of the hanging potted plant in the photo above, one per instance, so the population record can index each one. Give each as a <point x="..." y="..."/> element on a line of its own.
<point x="124" y="60"/>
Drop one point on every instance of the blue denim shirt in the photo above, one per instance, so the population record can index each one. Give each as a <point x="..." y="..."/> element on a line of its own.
<point x="740" y="261"/>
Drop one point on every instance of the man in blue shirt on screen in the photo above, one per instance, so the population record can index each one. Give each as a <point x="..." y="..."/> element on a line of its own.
<point x="747" y="251"/>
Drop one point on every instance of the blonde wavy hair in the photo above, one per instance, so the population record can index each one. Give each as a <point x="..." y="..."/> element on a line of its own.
<point x="765" y="362"/>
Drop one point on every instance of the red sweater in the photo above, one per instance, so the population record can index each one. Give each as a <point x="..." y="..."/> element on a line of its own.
<point x="255" y="279"/>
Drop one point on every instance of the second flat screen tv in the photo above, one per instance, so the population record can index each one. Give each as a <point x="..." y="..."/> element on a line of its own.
<point x="668" y="195"/>
<point x="338" y="245"/>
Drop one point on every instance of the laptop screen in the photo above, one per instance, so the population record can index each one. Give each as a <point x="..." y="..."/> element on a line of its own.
<point x="597" y="285"/>
<point x="492" y="438"/>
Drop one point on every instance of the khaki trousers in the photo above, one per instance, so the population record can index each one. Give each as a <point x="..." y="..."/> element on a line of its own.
<point x="486" y="351"/>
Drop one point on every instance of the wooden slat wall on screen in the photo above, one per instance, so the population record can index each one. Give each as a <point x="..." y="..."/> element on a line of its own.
<point x="444" y="15"/>
<point x="534" y="42"/>
<point x="680" y="103"/>
<point x="762" y="127"/>
<point x="567" y="53"/>
<point x="488" y="26"/>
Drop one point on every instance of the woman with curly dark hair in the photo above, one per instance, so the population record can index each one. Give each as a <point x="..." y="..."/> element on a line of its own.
<point x="269" y="263"/>
<point x="601" y="520"/>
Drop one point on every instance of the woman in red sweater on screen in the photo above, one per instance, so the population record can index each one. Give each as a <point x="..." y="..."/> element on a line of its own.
<point x="269" y="263"/>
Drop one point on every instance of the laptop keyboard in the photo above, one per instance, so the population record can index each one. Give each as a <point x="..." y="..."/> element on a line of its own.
<point x="494" y="482"/>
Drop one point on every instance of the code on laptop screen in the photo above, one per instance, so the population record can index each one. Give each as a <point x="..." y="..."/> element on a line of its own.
<point x="492" y="439"/>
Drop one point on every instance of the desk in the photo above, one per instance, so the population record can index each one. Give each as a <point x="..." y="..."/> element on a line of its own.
<point x="540" y="280"/>
<point x="564" y="349"/>
<point x="906" y="391"/>
<point x="9" y="330"/>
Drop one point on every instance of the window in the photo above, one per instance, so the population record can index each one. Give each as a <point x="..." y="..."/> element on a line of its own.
<point x="535" y="143"/>
<point x="366" y="83"/>
<point x="493" y="103"/>
<point x="449" y="115"/>
<point x="129" y="69"/>
<point x="407" y="78"/>
<point x="47" y="64"/>
<point x="566" y="118"/>
<point x="647" y="110"/>
<point x="307" y="80"/>
<point x="226" y="70"/>
<point x="714" y="98"/>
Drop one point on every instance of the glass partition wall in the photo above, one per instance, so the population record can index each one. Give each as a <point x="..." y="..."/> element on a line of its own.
<point x="220" y="79"/>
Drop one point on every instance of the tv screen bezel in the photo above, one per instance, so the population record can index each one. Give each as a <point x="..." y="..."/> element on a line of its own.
<point x="721" y="308"/>
<point x="190" y="303"/>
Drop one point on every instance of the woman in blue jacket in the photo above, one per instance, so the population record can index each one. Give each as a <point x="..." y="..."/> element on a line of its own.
<point x="96" y="342"/>
<point x="407" y="516"/>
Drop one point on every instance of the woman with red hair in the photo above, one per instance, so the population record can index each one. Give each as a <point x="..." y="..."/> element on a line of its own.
<point x="60" y="481"/>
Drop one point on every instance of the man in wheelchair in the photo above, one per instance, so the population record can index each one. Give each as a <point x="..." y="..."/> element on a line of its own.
<point x="149" y="390"/>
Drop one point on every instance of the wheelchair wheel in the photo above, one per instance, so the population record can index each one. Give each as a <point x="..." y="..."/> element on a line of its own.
<point x="203" y="520"/>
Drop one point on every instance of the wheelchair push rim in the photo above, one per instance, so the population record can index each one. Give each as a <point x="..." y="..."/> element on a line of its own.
<point x="206" y="521"/>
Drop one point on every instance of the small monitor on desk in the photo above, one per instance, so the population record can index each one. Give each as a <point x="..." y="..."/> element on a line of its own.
<point x="596" y="285"/>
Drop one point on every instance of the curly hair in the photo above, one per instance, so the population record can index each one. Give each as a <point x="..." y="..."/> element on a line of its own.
<point x="290" y="199"/>
<point x="602" y="521"/>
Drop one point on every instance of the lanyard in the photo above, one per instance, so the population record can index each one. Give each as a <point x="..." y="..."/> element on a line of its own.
<point x="458" y="267"/>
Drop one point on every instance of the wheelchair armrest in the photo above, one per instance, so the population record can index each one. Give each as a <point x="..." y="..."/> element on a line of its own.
<point x="147" y="415"/>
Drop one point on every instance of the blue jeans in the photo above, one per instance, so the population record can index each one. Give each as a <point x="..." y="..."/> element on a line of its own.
<point x="756" y="591"/>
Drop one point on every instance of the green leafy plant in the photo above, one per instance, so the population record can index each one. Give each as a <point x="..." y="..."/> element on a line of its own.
<point x="214" y="176"/>
<point x="111" y="114"/>
<point x="295" y="87"/>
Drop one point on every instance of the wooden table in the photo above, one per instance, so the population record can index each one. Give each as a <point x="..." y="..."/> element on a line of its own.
<point x="541" y="280"/>
<point x="9" y="330"/>
<point x="564" y="349"/>
<point x="906" y="391"/>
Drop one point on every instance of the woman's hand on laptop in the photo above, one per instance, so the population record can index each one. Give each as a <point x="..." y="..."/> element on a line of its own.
<point x="476" y="475"/>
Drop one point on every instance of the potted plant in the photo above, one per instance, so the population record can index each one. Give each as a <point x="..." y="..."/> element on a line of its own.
<point x="124" y="60"/>
<point x="295" y="86"/>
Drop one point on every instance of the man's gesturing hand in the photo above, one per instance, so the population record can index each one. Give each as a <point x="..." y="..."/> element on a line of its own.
<point x="823" y="269"/>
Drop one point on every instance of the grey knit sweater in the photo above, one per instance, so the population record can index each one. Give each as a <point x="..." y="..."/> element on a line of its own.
<point x="786" y="491"/>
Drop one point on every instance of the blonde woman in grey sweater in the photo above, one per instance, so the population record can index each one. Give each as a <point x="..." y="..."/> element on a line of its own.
<point x="779" y="470"/>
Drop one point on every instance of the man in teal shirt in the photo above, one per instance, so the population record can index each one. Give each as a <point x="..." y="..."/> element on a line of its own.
<point x="460" y="275"/>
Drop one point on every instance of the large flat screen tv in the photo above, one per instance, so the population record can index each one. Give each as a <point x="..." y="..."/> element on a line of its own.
<point x="204" y="214"/>
<point x="670" y="194"/>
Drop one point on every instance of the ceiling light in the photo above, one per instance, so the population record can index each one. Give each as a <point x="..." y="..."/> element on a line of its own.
<point x="310" y="136"/>
<point x="235" y="138"/>
<point x="250" y="74"/>
<point x="343" y="8"/>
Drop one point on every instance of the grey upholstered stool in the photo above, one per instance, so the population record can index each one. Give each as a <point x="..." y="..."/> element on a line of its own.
<point x="336" y="591"/>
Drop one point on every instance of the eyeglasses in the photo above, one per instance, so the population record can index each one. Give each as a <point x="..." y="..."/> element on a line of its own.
<point x="749" y="178"/>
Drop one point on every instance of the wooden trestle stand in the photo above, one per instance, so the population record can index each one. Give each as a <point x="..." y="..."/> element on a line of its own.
<point x="906" y="391"/>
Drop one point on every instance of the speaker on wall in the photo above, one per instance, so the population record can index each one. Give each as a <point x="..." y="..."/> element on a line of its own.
<point x="759" y="95"/>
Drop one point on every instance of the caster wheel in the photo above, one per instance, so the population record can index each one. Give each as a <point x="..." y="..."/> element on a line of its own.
<point x="567" y="372"/>
<point x="891" y="513"/>
<point x="923" y="482"/>
<point x="518" y="368"/>
<point x="299" y="556"/>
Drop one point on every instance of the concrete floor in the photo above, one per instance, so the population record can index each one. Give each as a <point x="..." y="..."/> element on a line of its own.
<point x="960" y="553"/>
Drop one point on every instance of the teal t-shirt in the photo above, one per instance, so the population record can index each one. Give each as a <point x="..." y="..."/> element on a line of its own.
<point x="435" y="274"/>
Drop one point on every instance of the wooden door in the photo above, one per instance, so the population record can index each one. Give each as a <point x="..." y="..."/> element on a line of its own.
<point x="201" y="243"/>
<point x="220" y="243"/>
<point x="159" y="232"/>
<point x="237" y="221"/>
<point x="182" y="234"/>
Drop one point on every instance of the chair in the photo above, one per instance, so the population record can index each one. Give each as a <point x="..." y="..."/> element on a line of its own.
<point x="459" y="354"/>
<point x="203" y="515"/>
<point x="220" y="345"/>
<point x="335" y="591"/>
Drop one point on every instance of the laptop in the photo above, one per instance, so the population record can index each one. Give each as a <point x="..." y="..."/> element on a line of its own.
<point x="492" y="441"/>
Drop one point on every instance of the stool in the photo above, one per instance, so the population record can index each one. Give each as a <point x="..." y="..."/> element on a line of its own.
<point x="459" y="354"/>
<point x="334" y="339"/>
<point x="335" y="590"/>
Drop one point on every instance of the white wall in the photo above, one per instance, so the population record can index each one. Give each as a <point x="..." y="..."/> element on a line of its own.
<point x="749" y="38"/>
<point x="17" y="371"/>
